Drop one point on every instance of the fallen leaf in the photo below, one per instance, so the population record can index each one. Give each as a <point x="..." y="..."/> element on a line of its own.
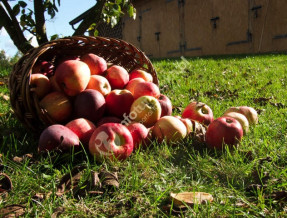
<point x="190" y="198"/>
<point x="14" y="210"/>
<point x="109" y="180"/>
<point x="57" y="212"/>
<point x="279" y="195"/>
<point x="2" y="83"/>
<point x="70" y="180"/>
<point x="199" y="131"/>
<point x="5" y="183"/>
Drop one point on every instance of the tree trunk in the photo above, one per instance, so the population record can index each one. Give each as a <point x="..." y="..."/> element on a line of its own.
<point x="13" y="29"/>
<point x="39" y="11"/>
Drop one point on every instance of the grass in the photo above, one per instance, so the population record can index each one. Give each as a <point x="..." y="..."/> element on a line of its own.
<point x="249" y="181"/>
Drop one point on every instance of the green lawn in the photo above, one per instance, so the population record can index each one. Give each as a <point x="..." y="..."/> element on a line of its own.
<point x="249" y="181"/>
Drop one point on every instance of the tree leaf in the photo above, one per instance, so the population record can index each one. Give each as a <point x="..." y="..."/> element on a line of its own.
<point x="16" y="9"/>
<point x="22" y="4"/>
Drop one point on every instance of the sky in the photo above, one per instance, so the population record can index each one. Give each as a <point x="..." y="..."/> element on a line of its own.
<point x="68" y="10"/>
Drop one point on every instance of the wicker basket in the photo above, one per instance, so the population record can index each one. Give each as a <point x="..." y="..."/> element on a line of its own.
<point x="26" y="104"/>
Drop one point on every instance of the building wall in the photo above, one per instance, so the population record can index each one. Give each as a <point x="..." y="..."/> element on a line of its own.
<point x="172" y="28"/>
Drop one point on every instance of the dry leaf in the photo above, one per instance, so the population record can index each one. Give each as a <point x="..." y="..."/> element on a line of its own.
<point x="190" y="198"/>
<point x="70" y="180"/>
<point x="199" y="131"/>
<point x="109" y="180"/>
<point x="14" y="210"/>
<point x="58" y="211"/>
<point x="2" y="83"/>
<point x="5" y="183"/>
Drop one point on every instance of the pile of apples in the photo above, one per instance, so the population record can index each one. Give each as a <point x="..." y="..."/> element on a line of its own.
<point x="112" y="112"/>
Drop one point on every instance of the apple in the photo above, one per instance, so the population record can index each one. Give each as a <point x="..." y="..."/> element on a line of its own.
<point x="117" y="76"/>
<point x="108" y="119"/>
<point x="57" y="105"/>
<point x="72" y="76"/>
<point x="241" y="119"/>
<point x="223" y="130"/>
<point x="43" y="67"/>
<point x="139" y="133"/>
<point x="131" y="84"/>
<point x="169" y="128"/>
<point x="187" y="122"/>
<point x="89" y="104"/>
<point x="83" y="128"/>
<point x="146" y="110"/>
<point x="57" y="136"/>
<point x="138" y="73"/>
<point x="198" y="111"/>
<point x="112" y="141"/>
<point x="249" y="112"/>
<point x="54" y="85"/>
<point x="166" y="105"/>
<point x="100" y="84"/>
<point x="119" y="102"/>
<point x="40" y="84"/>
<point x="97" y="65"/>
<point x="146" y="88"/>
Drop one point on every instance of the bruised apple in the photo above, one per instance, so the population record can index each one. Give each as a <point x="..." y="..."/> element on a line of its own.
<point x="57" y="137"/>
<point x="72" y="76"/>
<point x="83" y="128"/>
<point x="97" y="65"/>
<point x="112" y="141"/>
<point x="57" y="105"/>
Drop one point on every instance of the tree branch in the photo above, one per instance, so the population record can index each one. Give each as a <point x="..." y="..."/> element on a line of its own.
<point x="39" y="11"/>
<point x="92" y="17"/>
<point x="13" y="29"/>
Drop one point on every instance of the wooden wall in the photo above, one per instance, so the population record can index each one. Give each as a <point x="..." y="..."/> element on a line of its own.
<point x="173" y="28"/>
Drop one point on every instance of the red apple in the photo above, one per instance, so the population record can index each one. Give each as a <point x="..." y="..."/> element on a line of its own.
<point x="145" y="110"/>
<point x="139" y="133"/>
<point x="83" y="128"/>
<point x="97" y="65"/>
<point x="72" y="76"/>
<point x="40" y="84"/>
<point x="57" y="105"/>
<point x="43" y="67"/>
<point x="169" y="128"/>
<point x="90" y="104"/>
<point x="119" y="102"/>
<point x="57" y="137"/>
<point x="131" y="84"/>
<point x="108" y="119"/>
<point x="146" y="88"/>
<point x="55" y="86"/>
<point x="166" y="105"/>
<point x="111" y="140"/>
<point x="117" y="76"/>
<point x="138" y="73"/>
<point x="100" y="84"/>
<point x="241" y="119"/>
<point x="249" y="112"/>
<point x="198" y="111"/>
<point x="223" y="130"/>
